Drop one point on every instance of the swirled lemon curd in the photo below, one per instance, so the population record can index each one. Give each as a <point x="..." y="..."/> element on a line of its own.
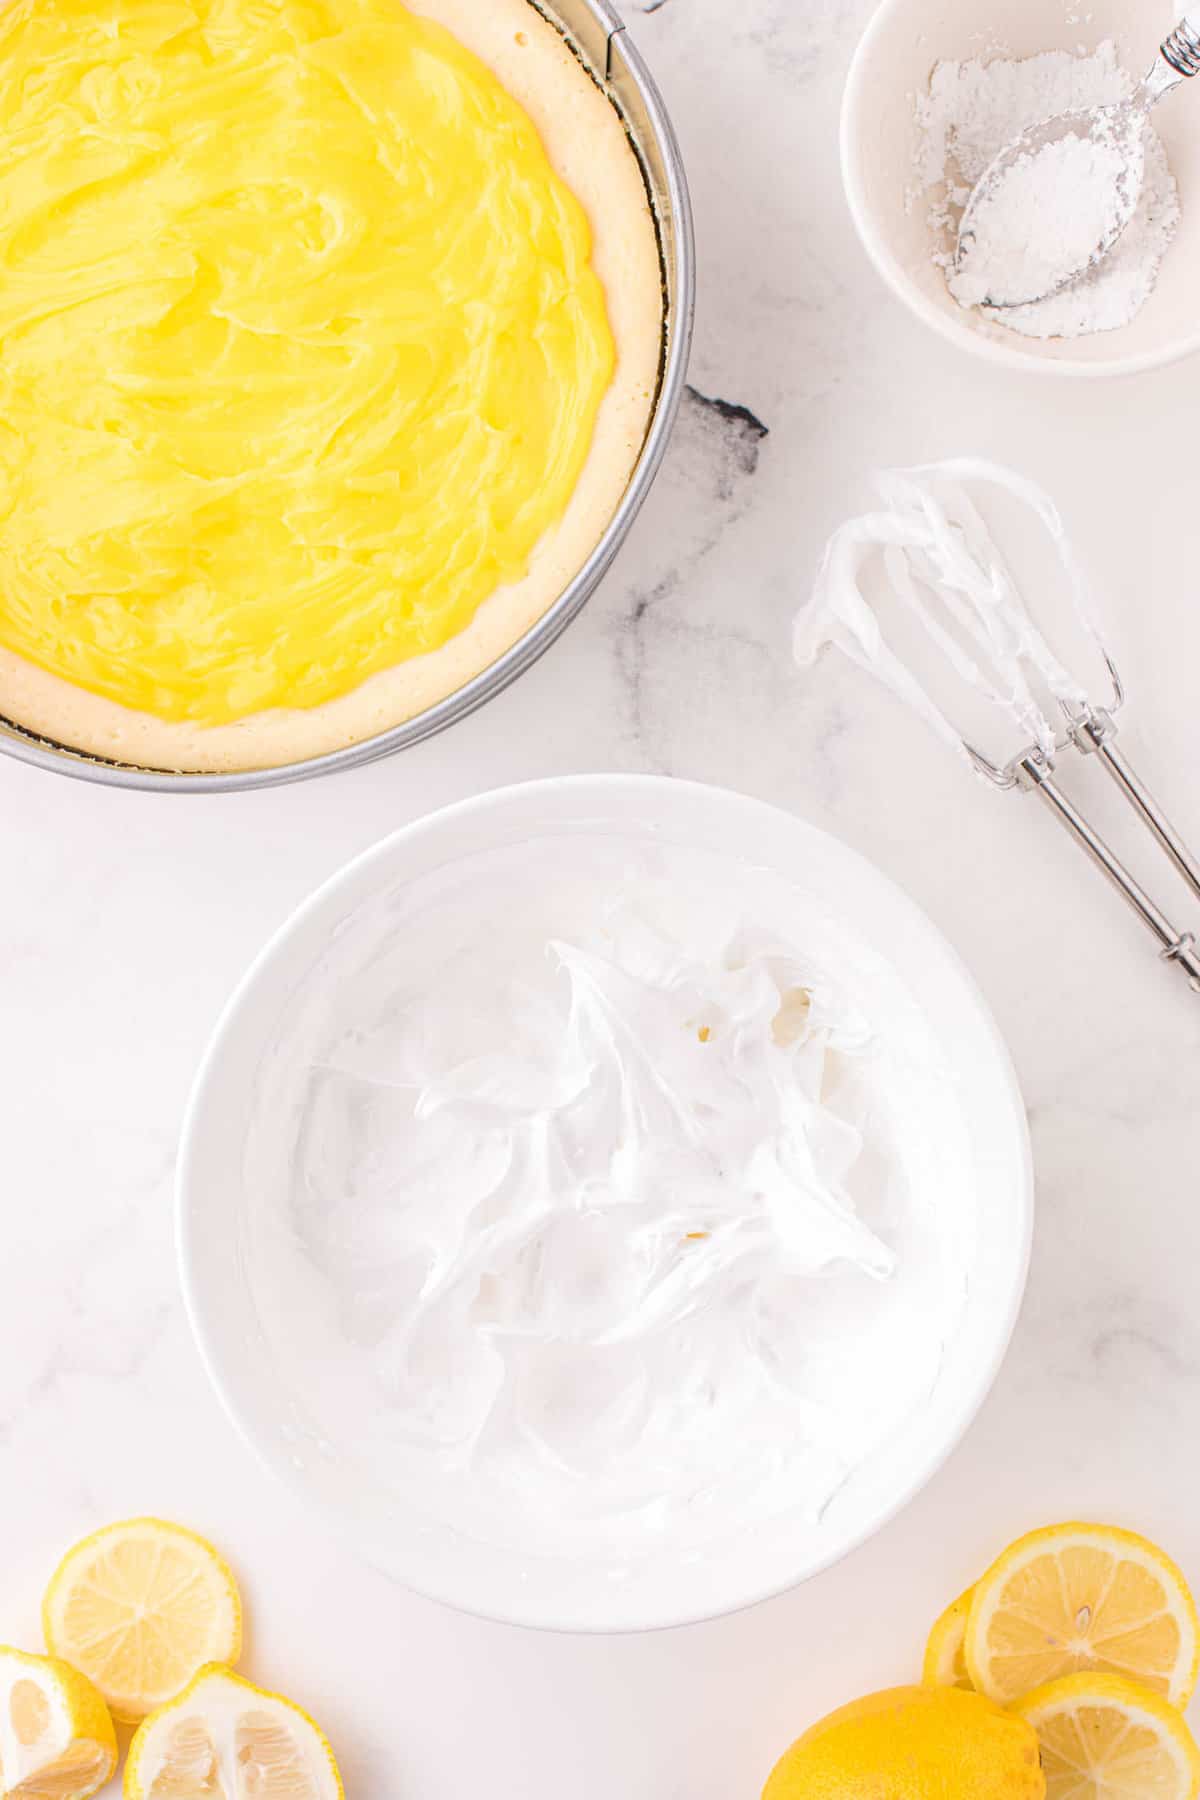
<point x="313" y="394"/>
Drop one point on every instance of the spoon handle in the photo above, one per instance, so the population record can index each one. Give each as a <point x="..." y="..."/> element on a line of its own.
<point x="1182" y="48"/>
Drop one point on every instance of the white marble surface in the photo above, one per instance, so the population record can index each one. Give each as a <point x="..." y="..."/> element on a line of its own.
<point x="124" y="919"/>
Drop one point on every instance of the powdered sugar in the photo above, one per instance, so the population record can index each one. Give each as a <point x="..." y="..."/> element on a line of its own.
<point x="1041" y="223"/>
<point x="1051" y="204"/>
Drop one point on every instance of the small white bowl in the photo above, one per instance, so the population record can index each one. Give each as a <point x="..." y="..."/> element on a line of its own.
<point x="880" y="137"/>
<point x="552" y="1591"/>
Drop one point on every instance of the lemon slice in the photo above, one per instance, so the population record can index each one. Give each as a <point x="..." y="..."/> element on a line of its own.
<point x="56" y="1737"/>
<point x="138" y="1608"/>
<point x="1106" y="1738"/>
<point x="224" y="1739"/>
<point x="945" y="1664"/>
<point x="1077" y="1597"/>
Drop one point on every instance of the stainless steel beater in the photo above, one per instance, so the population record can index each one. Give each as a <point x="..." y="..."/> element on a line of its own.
<point x="1091" y="731"/>
<point x="932" y="539"/>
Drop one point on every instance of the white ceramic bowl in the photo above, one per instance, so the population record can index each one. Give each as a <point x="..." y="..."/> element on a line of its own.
<point x="554" y="1592"/>
<point x="903" y="42"/>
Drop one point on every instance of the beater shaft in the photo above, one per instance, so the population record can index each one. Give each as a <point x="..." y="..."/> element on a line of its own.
<point x="1094" y="734"/>
<point x="1036" y="772"/>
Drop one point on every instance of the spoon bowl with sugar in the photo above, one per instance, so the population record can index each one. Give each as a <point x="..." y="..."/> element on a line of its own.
<point x="1054" y="202"/>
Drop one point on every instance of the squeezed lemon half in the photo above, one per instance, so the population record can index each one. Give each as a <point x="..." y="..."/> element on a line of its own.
<point x="57" y="1740"/>
<point x="228" y="1740"/>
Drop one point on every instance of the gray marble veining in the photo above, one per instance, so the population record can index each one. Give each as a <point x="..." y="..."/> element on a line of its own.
<point x="125" y="919"/>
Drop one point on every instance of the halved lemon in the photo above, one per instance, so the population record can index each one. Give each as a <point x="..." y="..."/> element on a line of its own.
<point x="1076" y="1597"/>
<point x="57" y="1740"/>
<point x="138" y="1608"/>
<point x="1106" y="1738"/>
<point x="945" y="1665"/>
<point x="227" y="1739"/>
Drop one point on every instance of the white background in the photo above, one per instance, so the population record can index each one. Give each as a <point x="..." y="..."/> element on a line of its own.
<point x="125" y="919"/>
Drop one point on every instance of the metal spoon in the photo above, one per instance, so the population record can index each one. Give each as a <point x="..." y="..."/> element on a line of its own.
<point x="1121" y="126"/>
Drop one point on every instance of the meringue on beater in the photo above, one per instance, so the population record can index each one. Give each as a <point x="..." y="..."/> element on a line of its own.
<point x="942" y="564"/>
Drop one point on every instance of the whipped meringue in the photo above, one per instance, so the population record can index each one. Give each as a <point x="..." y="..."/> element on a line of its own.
<point x="605" y="1189"/>
<point x="939" y="561"/>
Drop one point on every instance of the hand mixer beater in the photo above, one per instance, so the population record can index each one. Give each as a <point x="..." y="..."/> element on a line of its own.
<point x="942" y="566"/>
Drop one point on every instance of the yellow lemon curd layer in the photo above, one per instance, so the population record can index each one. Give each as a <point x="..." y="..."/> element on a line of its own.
<point x="301" y="348"/>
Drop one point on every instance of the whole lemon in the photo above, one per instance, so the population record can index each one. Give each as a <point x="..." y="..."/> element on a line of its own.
<point x="913" y="1743"/>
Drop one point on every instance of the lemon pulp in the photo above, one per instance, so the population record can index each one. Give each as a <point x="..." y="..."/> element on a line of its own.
<point x="301" y="348"/>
